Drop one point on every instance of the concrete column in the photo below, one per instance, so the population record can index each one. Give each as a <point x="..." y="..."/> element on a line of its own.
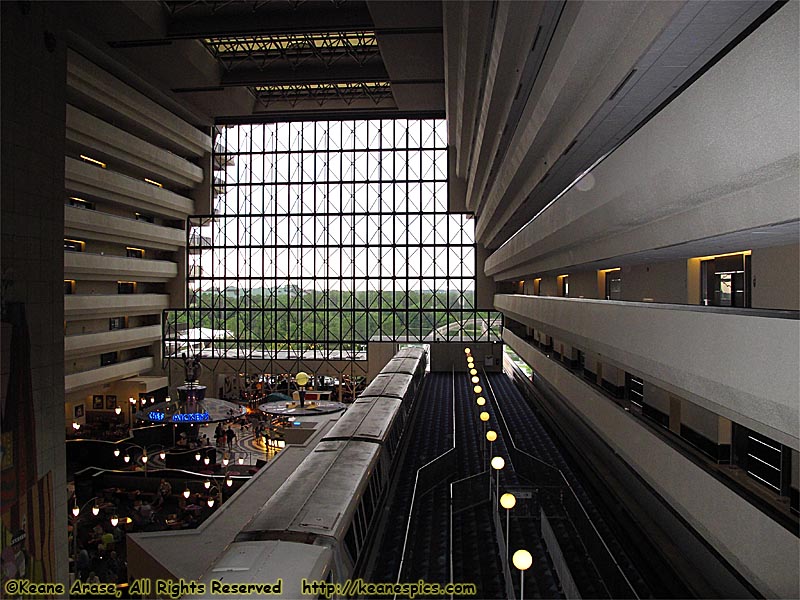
<point x="33" y="125"/>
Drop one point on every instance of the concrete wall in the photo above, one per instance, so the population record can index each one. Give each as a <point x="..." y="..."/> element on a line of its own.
<point x="378" y="355"/>
<point x="583" y="284"/>
<point x="762" y="550"/>
<point x="33" y="133"/>
<point x="656" y="397"/>
<point x="655" y="282"/>
<point x="450" y="355"/>
<point x="776" y="277"/>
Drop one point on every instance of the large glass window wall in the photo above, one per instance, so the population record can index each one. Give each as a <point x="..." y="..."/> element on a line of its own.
<point x="325" y="236"/>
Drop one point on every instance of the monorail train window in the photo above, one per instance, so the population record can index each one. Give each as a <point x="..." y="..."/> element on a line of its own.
<point x="368" y="503"/>
<point x="378" y="477"/>
<point x="358" y="534"/>
<point x="350" y="543"/>
<point x="362" y="519"/>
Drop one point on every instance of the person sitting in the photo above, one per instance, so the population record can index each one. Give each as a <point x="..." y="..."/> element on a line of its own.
<point x="146" y="511"/>
<point x="111" y="568"/>
<point x="83" y="565"/>
<point x="108" y="540"/>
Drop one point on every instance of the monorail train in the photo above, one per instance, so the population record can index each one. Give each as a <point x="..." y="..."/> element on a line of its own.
<point x="317" y="523"/>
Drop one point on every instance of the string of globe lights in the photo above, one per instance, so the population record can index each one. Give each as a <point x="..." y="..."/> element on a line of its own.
<point x="521" y="559"/>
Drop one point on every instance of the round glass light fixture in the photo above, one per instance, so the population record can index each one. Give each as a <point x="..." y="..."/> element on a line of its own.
<point x="473" y="371"/>
<point x="467" y="351"/>
<point x="187" y="493"/>
<point x="95" y="510"/>
<point x="210" y="502"/>
<point x="491" y="435"/>
<point x="484" y="416"/>
<point x="207" y="484"/>
<point x="498" y="463"/>
<point x="162" y="455"/>
<point x="127" y="458"/>
<point x="206" y="460"/>
<point x="197" y="456"/>
<point x="114" y="520"/>
<point x="508" y="501"/>
<point x="75" y="510"/>
<point x="481" y="401"/>
<point x="522" y="559"/>
<point x="116" y="452"/>
<point x="477" y="389"/>
<point x="475" y="378"/>
<point x="117" y="410"/>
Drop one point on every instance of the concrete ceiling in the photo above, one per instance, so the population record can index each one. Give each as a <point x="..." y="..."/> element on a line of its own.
<point x="280" y="59"/>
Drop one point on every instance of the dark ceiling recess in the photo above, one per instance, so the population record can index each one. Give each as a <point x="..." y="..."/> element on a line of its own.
<point x="306" y="57"/>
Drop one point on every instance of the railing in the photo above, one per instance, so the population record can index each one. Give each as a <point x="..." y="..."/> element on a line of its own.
<point x="772" y="313"/>
<point x="568" y="585"/>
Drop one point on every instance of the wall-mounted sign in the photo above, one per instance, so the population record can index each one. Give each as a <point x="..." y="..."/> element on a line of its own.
<point x="180" y="417"/>
<point x="191" y="417"/>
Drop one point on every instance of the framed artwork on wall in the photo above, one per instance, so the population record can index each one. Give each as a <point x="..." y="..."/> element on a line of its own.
<point x="97" y="402"/>
<point x="78" y="411"/>
<point x="111" y="402"/>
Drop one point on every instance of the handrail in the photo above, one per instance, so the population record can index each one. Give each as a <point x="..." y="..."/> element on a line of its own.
<point x="774" y="313"/>
<point x="573" y="496"/>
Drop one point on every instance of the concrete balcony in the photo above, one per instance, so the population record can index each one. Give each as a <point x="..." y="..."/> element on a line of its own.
<point x="98" y="267"/>
<point x="111" y="144"/>
<point x="734" y="363"/>
<point x="120" y="102"/>
<point x="107" y="374"/>
<point x="108" y="341"/>
<point x="85" y="179"/>
<point x="91" y="224"/>
<point x="684" y="178"/>
<point x="77" y="307"/>
<point x="752" y="541"/>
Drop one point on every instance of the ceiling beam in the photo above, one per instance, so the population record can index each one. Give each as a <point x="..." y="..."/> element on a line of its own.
<point x="280" y="73"/>
<point x="307" y="18"/>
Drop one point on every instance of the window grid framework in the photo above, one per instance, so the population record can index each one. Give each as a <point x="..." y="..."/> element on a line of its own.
<point x="329" y="235"/>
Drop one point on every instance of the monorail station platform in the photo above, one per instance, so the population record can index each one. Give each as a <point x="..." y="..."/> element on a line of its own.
<point x="163" y="554"/>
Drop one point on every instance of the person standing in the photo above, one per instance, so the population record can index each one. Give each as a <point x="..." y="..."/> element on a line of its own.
<point x="230" y="436"/>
